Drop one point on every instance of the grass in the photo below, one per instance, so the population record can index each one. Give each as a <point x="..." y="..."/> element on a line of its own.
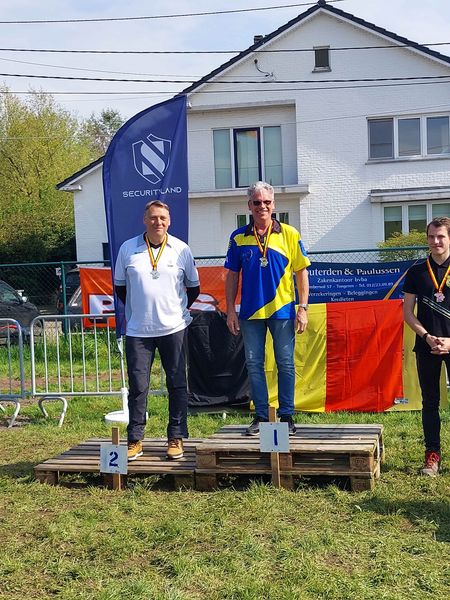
<point x="249" y="542"/>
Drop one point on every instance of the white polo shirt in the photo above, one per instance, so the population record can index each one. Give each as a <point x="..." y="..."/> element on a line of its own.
<point x="155" y="307"/>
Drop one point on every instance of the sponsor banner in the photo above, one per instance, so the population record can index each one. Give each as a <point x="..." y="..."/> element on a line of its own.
<point x="97" y="295"/>
<point x="348" y="282"/>
<point x="146" y="160"/>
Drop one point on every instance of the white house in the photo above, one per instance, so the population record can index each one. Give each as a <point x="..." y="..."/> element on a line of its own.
<point x="348" y="121"/>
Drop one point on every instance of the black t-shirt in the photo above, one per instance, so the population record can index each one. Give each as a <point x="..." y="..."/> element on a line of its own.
<point x="434" y="316"/>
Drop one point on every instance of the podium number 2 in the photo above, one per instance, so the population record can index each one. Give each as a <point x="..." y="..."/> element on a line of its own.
<point x="113" y="459"/>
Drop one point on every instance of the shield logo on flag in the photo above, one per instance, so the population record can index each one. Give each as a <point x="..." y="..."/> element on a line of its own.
<point x="151" y="157"/>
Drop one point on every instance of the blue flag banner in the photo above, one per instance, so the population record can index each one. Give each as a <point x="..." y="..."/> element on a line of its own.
<point x="146" y="160"/>
<point x="347" y="282"/>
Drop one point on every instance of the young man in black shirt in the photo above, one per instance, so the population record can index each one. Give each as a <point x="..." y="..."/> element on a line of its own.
<point x="429" y="283"/>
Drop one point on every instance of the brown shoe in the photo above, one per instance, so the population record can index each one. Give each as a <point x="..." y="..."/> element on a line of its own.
<point x="431" y="464"/>
<point x="134" y="450"/>
<point x="175" y="449"/>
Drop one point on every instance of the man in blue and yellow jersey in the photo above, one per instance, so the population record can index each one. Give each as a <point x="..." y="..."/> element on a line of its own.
<point x="267" y="254"/>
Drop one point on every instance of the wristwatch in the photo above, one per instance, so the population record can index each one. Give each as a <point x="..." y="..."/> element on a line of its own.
<point x="305" y="306"/>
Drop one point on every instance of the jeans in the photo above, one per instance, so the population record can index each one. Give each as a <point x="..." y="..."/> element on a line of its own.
<point x="429" y="371"/>
<point x="283" y="335"/>
<point x="140" y="353"/>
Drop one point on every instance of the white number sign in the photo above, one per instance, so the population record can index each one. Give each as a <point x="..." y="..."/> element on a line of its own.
<point x="113" y="459"/>
<point x="274" y="437"/>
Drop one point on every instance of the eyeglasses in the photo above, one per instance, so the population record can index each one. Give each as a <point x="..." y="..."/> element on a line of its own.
<point x="259" y="202"/>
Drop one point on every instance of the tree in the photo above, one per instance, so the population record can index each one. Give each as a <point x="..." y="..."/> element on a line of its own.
<point x="40" y="145"/>
<point x="410" y="246"/>
<point x="97" y="132"/>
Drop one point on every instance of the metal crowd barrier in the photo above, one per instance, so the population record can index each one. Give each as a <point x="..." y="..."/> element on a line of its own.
<point x="78" y="355"/>
<point x="12" y="373"/>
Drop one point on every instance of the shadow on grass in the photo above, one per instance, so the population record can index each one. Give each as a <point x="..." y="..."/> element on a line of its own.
<point x="428" y="514"/>
<point x="19" y="470"/>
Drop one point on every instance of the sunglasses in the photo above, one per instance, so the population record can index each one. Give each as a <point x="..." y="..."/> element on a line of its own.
<point x="259" y="202"/>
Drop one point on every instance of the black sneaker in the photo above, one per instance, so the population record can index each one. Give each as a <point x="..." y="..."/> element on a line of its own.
<point x="290" y="421"/>
<point x="253" y="428"/>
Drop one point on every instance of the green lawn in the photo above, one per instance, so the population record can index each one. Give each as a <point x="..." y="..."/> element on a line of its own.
<point x="252" y="542"/>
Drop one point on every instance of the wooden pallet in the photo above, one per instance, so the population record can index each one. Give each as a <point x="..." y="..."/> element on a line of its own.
<point x="85" y="458"/>
<point x="354" y="451"/>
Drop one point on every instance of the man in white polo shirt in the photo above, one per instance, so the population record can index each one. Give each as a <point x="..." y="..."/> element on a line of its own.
<point x="156" y="279"/>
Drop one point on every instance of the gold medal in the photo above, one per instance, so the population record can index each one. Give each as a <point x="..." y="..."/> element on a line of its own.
<point x="263" y="248"/>
<point x="154" y="261"/>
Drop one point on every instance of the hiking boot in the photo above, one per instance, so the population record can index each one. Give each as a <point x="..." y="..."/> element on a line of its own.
<point x="290" y="421"/>
<point x="134" y="450"/>
<point x="431" y="464"/>
<point x="175" y="449"/>
<point x="253" y="428"/>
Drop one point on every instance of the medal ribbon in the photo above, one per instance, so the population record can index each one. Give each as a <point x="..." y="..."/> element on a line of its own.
<point x="438" y="287"/>
<point x="263" y="249"/>
<point x="154" y="260"/>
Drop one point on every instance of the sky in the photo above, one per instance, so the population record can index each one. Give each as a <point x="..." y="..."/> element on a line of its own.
<point x="423" y="21"/>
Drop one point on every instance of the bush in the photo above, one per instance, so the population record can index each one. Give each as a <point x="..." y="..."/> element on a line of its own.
<point x="410" y="246"/>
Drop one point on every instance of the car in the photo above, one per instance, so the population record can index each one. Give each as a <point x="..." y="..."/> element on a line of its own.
<point x="16" y="306"/>
<point x="72" y="283"/>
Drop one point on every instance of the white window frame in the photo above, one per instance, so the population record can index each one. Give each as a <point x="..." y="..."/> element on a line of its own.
<point x="404" y="208"/>
<point x="423" y="138"/>
<point x="231" y="131"/>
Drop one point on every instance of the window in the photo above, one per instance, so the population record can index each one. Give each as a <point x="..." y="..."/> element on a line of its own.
<point x="8" y="295"/>
<point x="322" y="59"/>
<point x="440" y="210"/>
<point x="242" y="220"/>
<point x="402" y="137"/>
<point x="243" y="156"/>
<point x="247" y="156"/>
<point x="272" y="155"/>
<point x="392" y="220"/>
<point x="437" y="135"/>
<point x="406" y="217"/>
<point x="381" y="138"/>
<point x="106" y="251"/>
<point x="408" y="137"/>
<point x="222" y="158"/>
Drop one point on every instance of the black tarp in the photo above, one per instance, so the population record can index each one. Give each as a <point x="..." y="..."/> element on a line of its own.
<point x="217" y="373"/>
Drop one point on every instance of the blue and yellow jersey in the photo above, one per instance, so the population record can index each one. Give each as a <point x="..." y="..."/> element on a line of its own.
<point x="267" y="292"/>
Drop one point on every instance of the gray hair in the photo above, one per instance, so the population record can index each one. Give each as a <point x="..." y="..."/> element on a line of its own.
<point x="259" y="186"/>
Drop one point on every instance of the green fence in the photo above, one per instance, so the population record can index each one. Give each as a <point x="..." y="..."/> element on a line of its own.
<point x="51" y="283"/>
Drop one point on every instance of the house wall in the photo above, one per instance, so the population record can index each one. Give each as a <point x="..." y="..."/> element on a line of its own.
<point x="90" y="220"/>
<point x="331" y="126"/>
<point x="325" y="139"/>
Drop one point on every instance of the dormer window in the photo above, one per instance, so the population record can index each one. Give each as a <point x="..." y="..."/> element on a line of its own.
<point x="322" y="58"/>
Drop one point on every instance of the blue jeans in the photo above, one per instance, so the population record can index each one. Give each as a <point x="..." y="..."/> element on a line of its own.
<point x="283" y="335"/>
